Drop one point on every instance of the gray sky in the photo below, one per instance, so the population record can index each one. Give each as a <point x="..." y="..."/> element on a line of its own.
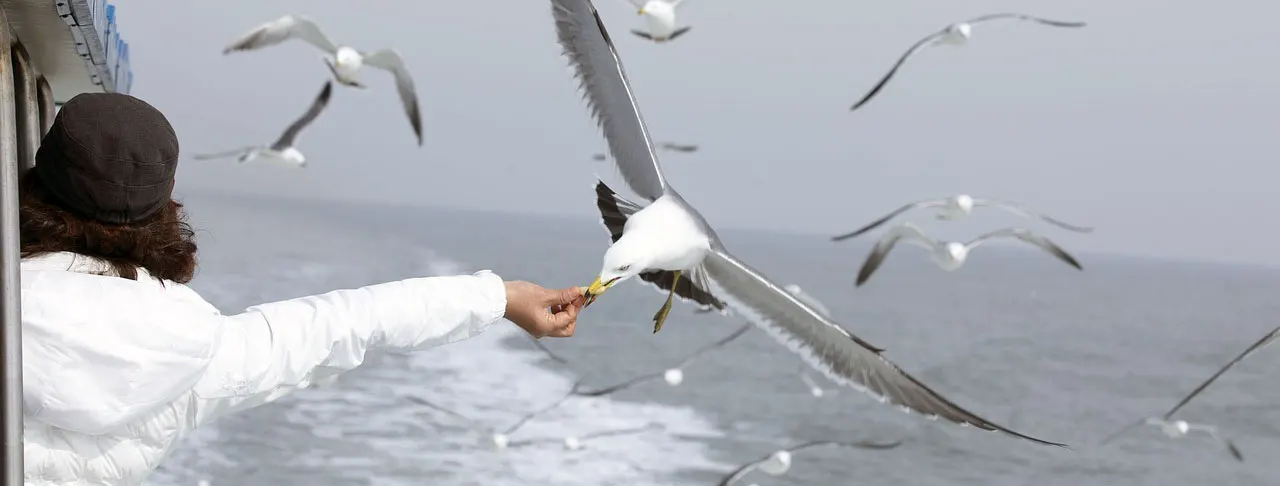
<point x="1157" y="123"/>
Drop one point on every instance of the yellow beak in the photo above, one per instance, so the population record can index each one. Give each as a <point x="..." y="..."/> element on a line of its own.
<point x="595" y="289"/>
<point x="641" y="12"/>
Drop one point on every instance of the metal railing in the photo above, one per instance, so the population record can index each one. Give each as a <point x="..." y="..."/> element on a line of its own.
<point x="26" y="112"/>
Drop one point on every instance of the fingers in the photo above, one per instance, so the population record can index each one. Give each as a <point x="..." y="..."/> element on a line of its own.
<point x="562" y="323"/>
<point x="565" y="296"/>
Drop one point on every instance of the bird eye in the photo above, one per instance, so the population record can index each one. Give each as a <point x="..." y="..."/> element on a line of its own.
<point x="624" y="268"/>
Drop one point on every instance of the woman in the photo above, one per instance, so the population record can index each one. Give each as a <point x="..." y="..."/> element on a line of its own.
<point x="121" y="360"/>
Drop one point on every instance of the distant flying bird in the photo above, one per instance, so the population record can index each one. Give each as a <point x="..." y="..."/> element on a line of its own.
<point x="660" y="15"/>
<point x="574" y="443"/>
<point x="671" y="146"/>
<point x="1175" y="429"/>
<point x="670" y="245"/>
<point x="679" y="147"/>
<point x="778" y="462"/>
<point x="959" y="207"/>
<point x="343" y="61"/>
<point x="498" y="439"/>
<point x="674" y="376"/>
<point x="283" y="151"/>
<point x="954" y="34"/>
<point x="1178" y="428"/>
<point x="950" y="255"/>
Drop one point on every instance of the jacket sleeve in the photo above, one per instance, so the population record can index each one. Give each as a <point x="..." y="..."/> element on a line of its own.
<point x="272" y="349"/>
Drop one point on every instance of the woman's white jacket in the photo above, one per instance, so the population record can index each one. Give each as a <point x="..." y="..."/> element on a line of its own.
<point x="116" y="372"/>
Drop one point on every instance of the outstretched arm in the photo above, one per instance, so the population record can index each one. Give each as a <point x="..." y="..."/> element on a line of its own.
<point x="272" y="349"/>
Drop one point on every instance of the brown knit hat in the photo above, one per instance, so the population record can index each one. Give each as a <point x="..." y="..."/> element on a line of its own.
<point x="110" y="157"/>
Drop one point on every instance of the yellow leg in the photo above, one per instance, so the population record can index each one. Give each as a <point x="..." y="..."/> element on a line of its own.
<point x="661" y="316"/>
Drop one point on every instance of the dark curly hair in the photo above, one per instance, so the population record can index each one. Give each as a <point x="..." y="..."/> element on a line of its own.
<point x="164" y="244"/>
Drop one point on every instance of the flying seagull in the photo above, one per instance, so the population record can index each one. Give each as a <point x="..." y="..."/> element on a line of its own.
<point x="343" y="61"/>
<point x="670" y="245"/>
<point x="959" y="207"/>
<point x="679" y="147"/>
<point x="954" y="34"/>
<point x="674" y="376"/>
<point x="499" y="439"/>
<point x="283" y="151"/>
<point x="1175" y="429"/>
<point x="574" y="443"/>
<point x="660" y="15"/>
<point x="950" y="255"/>
<point x="778" y="462"/>
<point x="1178" y="428"/>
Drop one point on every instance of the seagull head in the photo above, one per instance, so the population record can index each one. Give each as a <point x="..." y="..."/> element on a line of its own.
<point x="960" y="32"/>
<point x="956" y="251"/>
<point x="624" y="259"/>
<point x="777" y="464"/>
<point x="348" y="58"/>
<point x="674" y="376"/>
<point x="572" y="443"/>
<point x="963" y="202"/>
<point x="500" y="441"/>
<point x="659" y="9"/>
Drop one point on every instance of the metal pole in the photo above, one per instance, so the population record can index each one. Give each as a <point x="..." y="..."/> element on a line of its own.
<point x="48" y="110"/>
<point x="10" y="299"/>
<point x="26" y="108"/>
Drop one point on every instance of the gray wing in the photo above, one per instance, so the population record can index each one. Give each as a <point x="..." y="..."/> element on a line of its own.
<point x="608" y="93"/>
<point x="892" y="214"/>
<point x="886" y="243"/>
<point x="222" y="155"/>
<point x="390" y="60"/>
<point x="809" y="300"/>
<point x="829" y="348"/>
<point x="290" y="134"/>
<point x="280" y="30"/>
<point x="1019" y="16"/>
<point x="1029" y="237"/>
<point x="1018" y="208"/>
<point x="920" y="44"/>
<point x="1259" y="344"/>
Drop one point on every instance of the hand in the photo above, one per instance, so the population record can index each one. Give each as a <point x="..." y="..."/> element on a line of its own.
<point x="543" y="312"/>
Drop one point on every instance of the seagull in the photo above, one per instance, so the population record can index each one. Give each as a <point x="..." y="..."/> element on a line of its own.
<point x="955" y="34"/>
<point x="778" y="462"/>
<point x="679" y="147"/>
<point x="660" y="15"/>
<point x="674" y="376"/>
<point x="669" y="239"/>
<point x="950" y="255"/>
<point x="282" y="152"/>
<point x="958" y="207"/>
<point x="343" y="61"/>
<point x="498" y="439"/>
<point x="1178" y="428"/>
<point x="574" y="443"/>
